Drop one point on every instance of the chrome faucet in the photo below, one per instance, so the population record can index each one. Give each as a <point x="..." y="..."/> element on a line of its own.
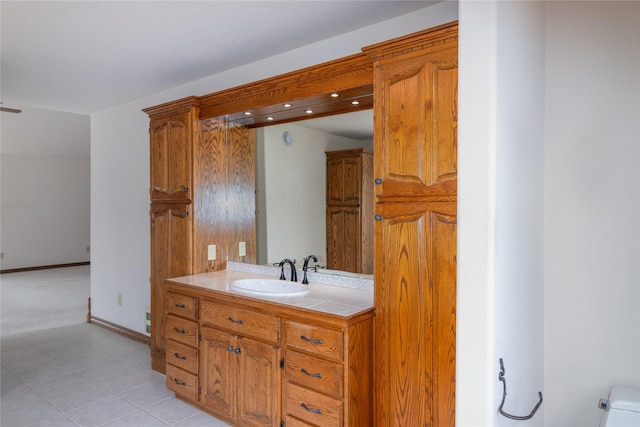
<point x="292" y="264"/>
<point x="305" y="267"/>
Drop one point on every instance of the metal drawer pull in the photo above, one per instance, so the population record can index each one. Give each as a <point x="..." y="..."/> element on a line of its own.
<point x="315" y="411"/>
<point x="180" y="331"/>
<point x="230" y="348"/>
<point x="304" y="371"/>
<point x="237" y="350"/>
<point x="180" y="357"/>
<point x="239" y="322"/>
<point x="309" y="340"/>
<point x="175" y="304"/>
<point x="183" y="384"/>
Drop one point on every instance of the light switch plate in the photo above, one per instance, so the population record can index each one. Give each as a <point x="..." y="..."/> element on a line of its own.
<point x="242" y="249"/>
<point x="211" y="256"/>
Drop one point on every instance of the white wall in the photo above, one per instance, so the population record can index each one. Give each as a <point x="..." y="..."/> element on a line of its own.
<point x="296" y="173"/>
<point x="45" y="188"/>
<point x="45" y="210"/>
<point x="592" y="207"/>
<point x="120" y="164"/>
<point x="591" y="213"/>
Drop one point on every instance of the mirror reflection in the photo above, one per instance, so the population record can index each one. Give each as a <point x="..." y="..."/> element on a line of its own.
<point x="291" y="202"/>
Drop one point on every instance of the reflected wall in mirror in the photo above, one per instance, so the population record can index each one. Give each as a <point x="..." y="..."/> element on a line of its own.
<point x="291" y="183"/>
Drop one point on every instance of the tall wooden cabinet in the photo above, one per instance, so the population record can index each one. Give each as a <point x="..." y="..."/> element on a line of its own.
<point x="415" y="141"/>
<point x="350" y="210"/>
<point x="187" y="202"/>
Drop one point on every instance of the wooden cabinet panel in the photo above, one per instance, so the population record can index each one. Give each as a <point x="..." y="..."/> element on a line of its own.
<point x="218" y="371"/>
<point x="314" y="373"/>
<point x="241" y="194"/>
<point x="415" y="300"/>
<point x="416" y="134"/>
<point x="244" y="322"/>
<point x="258" y="383"/>
<point x="171" y="254"/>
<point x="182" y="330"/>
<point x="240" y="378"/>
<point x="314" y="408"/>
<point x="415" y="81"/>
<point x="182" y="356"/>
<point x="315" y="339"/>
<point x="182" y="382"/>
<point x="171" y="158"/>
<point x="182" y="305"/>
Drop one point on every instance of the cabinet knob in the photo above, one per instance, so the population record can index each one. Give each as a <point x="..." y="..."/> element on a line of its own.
<point x="230" y="349"/>
<point x="237" y="350"/>
<point x="378" y="217"/>
<point x="185" y="189"/>
<point x="378" y="181"/>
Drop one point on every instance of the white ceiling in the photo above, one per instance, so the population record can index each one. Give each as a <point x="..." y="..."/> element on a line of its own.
<point x="86" y="56"/>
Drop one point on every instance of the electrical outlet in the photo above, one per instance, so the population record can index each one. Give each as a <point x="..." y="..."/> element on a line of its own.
<point x="119" y="299"/>
<point x="88" y="248"/>
<point x="211" y="253"/>
<point x="242" y="248"/>
<point x="1" y="255"/>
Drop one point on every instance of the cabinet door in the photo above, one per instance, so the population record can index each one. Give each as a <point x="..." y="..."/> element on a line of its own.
<point x="344" y="176"/>
<point x="171" y="247"/>
<point x="344" y="250"/>
<point x="415" y="315"/>
<point x="258" y="376"/>
<point x="218" y="371"/>
<point x="171" y="158"/>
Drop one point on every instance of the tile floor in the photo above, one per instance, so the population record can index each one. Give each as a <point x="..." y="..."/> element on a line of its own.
<point x="70" y="373"/>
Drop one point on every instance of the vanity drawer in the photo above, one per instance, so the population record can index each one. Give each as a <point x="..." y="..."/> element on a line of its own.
<point x="182" y="356"/>
<point x="245" y="322"/>
<point x="315" y="408"/>
<point x="312" y="372"/>
<point x="182" y="330"/>
<point x="315" y="339"/>
<point x="182" y="382"/>
<point x="294" y="422"/>
<point x="182" y="305"/>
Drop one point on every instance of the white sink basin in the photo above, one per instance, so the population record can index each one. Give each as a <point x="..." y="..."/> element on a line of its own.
<point x="269" y="287"/>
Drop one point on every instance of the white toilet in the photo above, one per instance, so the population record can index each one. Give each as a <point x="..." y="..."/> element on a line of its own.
<point x="622" y="408"/>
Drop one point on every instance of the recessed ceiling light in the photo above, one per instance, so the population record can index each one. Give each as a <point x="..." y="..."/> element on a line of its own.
<point x="270" y="118"/>
<point x="309" y="111"/>
<point x="355" y="102"/>
<point x="287" y="105"/>
<point x="248" y="113"/>
<point x="335" y="95"/>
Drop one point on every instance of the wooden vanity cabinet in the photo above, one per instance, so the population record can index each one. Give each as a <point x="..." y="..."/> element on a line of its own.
<point x="261" y="364"/>
<point x="349" y="210"/>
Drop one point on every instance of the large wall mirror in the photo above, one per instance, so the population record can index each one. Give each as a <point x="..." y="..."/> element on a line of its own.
<point x="291" y="184"/>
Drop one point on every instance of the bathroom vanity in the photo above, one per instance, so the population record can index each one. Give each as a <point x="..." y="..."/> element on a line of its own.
<point x="255" y="360"/>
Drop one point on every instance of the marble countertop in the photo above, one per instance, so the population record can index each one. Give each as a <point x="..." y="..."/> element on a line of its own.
<point x="325" y="298"/>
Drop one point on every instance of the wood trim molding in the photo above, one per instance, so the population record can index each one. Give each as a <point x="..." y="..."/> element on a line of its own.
<point x="44" y="267"/>
<point x="418" y="41"/>
<point x="121" y="330"/>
